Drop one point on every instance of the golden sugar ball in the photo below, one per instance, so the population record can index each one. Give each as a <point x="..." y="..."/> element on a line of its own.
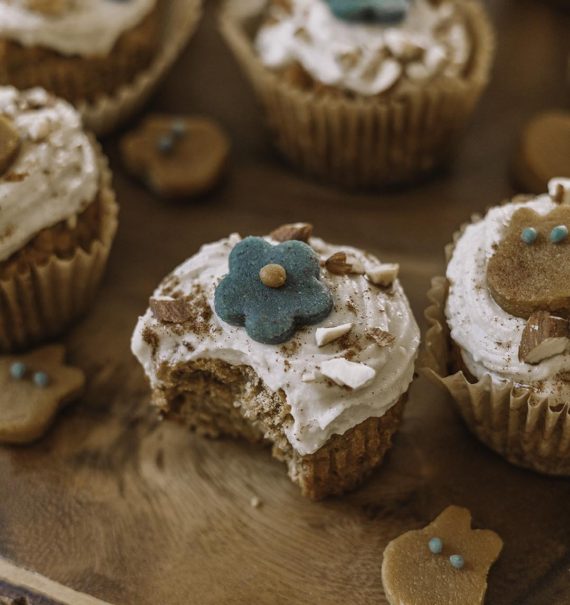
<point x="273" y="276"/>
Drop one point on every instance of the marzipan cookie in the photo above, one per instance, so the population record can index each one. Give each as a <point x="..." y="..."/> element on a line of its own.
<point x="33" y="388"/>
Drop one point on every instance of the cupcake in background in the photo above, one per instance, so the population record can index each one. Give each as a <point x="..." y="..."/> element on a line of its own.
<point x="304" y="345"/>
<point x="79" y="50"/>
<point x="58" y="217"/>
<point x="499" y="336"/>
<point x="366" y="92"/>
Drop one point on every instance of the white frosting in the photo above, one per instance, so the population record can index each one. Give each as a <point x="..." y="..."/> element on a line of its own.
<point x="488" y="336"/>
<point x="56" y="166"/>
<point x="87" y="27"/>
<point x="366" y="58"/>
<point x="319" y="407"/>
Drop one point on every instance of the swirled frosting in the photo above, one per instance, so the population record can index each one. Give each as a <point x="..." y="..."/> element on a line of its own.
<point x="86" y="27"/>
<point x="368" y="59"/>
<point x="319" y="408"/>
<point x="488" y="336"/>
<point x="55" y="175"/>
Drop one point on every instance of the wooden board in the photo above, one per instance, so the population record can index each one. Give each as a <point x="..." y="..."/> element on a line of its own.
<point x="121" y="508"/>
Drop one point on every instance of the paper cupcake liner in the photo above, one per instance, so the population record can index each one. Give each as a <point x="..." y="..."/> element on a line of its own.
<point x="40" y="303"/>
<point x="108" y="112"/>
<point x="527" y="429"/>
<point x="345" y="460"/>
<point x="365" y="141"/>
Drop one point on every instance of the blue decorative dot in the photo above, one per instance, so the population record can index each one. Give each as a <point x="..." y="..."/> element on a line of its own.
<point x="529" y="235"/>
<point x="435" y="545"/>
<point x="457" y="561"/>
<point x="178" y="128"/>
<point x="559" y="234"/>
<point x="165" y="143"/>
<point x="41" y="379"/>
<point x="18" y="370"/>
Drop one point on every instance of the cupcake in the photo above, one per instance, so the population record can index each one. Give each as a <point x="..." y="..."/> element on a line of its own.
<point x="364" y="93"/>
<point x="58" y="218"/>
<point x="77" y="49"/>
<point x="499" y="335"/>
<point x="286" y="340"/>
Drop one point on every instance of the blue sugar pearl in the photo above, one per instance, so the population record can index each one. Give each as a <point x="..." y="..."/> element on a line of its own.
<point x="178" y="128"/>
<point x="529" y="235"/>
<point x="41" y="379"/>
<point x="435" y="545"/>
<point x="559" y="234"/>
<point x="18" y="370"/>
<point x="165" y="144"/>
<point x="457" y="561"/>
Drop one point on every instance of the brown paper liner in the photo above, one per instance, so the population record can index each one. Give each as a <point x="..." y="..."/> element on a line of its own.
<point x="363" y="142"/>
<point x="109" y="112"/>
<point x="525" y="428"/>
<point x="40" y="303"/>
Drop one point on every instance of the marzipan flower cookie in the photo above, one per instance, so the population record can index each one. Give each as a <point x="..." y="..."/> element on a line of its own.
<point x="499" y="340"/>
<point x="285" y="339"/>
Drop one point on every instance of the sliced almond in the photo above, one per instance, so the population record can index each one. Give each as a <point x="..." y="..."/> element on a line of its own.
<point x="381" y="337"/>
<point x="325" y="335"/>
<point x="559" y="190"/>
<point x="544" y="336"/>
<point x="171" y="310"/>
<point x="348" y="373"/>
<point x="383" y="275"/>
<point x="294" y="231"/>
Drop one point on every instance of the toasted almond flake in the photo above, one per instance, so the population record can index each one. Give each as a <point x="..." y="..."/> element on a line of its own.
<point x="294" y="231"/>
<point x="171" y="310"/>
<point x="381" y="337"/>
<point x="544" y="336"/>
<point x="339" y="264"/>
<point x="348" y="373"/>
<point x="559" y="190"/>
<point x="384" y="274"/>
<point x="325" y="335"/>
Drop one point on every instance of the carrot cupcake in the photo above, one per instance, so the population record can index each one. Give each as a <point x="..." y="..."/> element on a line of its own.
<point x="57" y="219"/>
<point x="307" y="346"/>
<point x="500" y="333"/>
<point x="365" y="92"/>
<point x="77" y="49"/>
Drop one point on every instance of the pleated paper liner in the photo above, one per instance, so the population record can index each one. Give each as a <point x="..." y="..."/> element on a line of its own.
<point x="107" y="113"/>
<point x="345" y="461"/>
<point x="362" y="142"/>
<point x="42" y="302"/>
<point x="525" y="428"/>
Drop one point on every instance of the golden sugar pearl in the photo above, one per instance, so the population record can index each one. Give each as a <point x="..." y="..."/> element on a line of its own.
<point x="273" y="276"/>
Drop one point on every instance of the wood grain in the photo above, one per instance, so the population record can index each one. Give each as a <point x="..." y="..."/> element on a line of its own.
<point x="118" y="506"/>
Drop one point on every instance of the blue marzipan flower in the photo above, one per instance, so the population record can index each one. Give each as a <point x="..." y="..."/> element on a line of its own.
<point x="272" y="314"/>
<point x="371" y="11"/>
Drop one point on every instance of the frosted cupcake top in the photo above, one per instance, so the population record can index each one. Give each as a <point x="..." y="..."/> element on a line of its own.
<point x="54" y="173"/>
<point x="432" y="41"/>
<point x="355" y="363"/>
<point x="515" y="255"/>
<point x="71" y="27"/>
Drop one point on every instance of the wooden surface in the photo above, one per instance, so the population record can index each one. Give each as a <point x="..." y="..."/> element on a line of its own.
<point x="113" y="504"/>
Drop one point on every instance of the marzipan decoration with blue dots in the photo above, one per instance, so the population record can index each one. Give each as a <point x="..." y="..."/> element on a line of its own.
<point x="370" y="11"/>
<point x="272" y="290"/>
<point x="529" y="270"/>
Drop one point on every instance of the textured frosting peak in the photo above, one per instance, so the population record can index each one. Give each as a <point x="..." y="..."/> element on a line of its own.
<point x="325" y="398"/>
<point x="87" y="27"/>
<point x="55" y="175"/>
<point x="369" y="59"/>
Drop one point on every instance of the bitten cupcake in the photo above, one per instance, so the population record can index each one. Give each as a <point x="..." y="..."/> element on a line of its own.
<point x="367" y="92"/>
<point x="289" y="340"/>
<point x="77" y="49"/>
<point x="58" y="217"/>
<point x="500" y="333"/>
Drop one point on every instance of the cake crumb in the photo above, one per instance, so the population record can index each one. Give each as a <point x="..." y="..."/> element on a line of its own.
<point x="255" y="502"/>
